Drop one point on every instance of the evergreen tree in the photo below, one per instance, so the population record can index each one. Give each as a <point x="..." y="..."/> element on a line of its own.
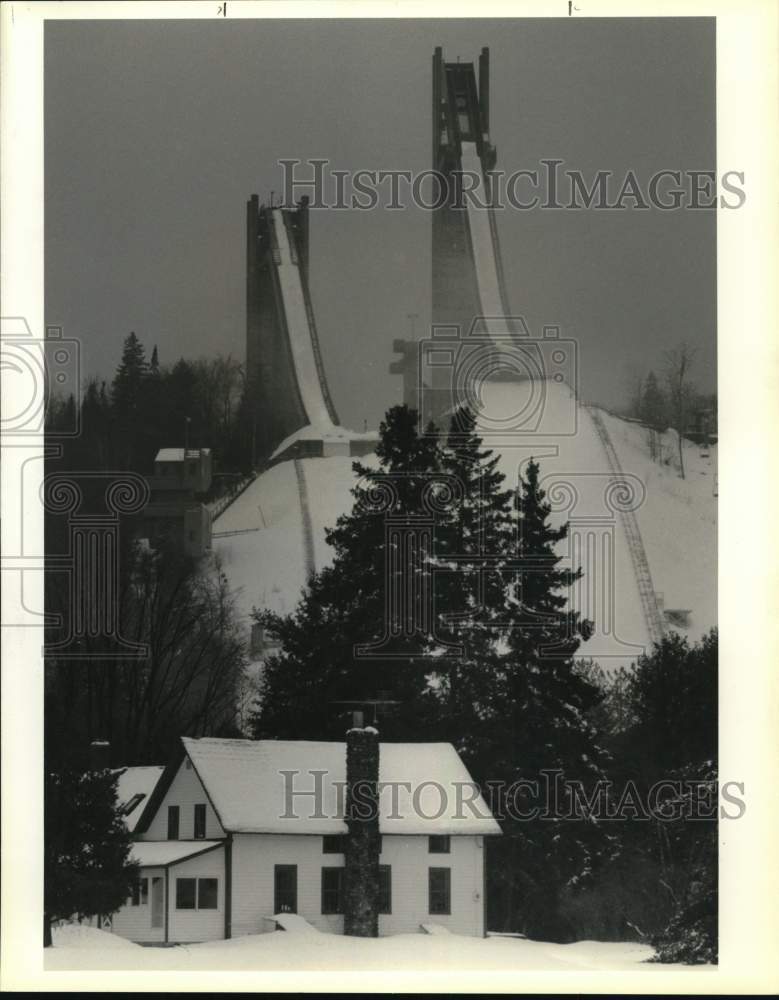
<point x="531" y="704"/>
<point x="344" y="605"/>
<point x="513" y="704"/>
<point x="87" y="871"/>
<point x="127" y="397"/>
<point x="661" y="727"/>
<point x="129" y="378"/>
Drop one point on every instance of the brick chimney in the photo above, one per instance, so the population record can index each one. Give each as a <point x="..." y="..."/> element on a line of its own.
<point x="361" y="882"/>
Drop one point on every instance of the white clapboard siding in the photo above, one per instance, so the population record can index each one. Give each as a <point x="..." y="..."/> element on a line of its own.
<point x="255" y="855"/>
<point x="134" y="922"/>
<point x="198" y="925"/>
<point x="185" y="791"/>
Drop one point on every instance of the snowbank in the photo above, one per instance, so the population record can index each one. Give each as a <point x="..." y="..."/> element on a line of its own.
<point x="80" y="936"/>
<point x="281" y="950"/>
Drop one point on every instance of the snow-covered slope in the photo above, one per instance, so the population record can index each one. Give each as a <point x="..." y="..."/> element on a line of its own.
<point x="261" y="538"/>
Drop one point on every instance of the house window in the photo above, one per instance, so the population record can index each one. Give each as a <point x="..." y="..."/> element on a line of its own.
<point x="173" y="822"/>
<point x="332" y="890"/>
<point x="385" y="889"/>
<point x="333" y="883"/>
<point x="197" y="893"/>
<point x="438" y="844"/>
<point x="285" y="888"/>
<point x="207" y="891"/>
<point x="200" y="821"/>
<point x="439" y="890"/>
<point x="333" y="843"/>
<point x="186" y="889"/>
<point x="140" y="893"/>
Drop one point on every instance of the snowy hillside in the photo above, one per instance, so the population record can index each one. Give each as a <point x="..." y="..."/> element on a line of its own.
<point x="270" y="539"/>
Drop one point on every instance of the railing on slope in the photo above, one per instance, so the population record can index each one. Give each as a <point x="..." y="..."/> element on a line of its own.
<point x="220" y="505"/>
<point x="638" y="557"/>
<point x="236" y="531"/>
<point x="305" y="513"/>
<point x="313" y="334"/>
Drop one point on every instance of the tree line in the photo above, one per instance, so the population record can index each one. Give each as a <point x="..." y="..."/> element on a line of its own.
<point x="148" y="405"/>
<point x="672" y="400"/>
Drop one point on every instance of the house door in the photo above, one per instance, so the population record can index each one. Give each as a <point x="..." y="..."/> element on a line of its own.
<point x="285" y="889"/>
<point x="157" y="902"/>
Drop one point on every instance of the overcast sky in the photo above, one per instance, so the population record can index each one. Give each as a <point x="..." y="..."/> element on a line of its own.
<point x="158" y="132"/>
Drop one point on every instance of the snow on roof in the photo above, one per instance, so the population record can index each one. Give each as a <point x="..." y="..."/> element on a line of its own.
<point x="324" y="432"/>
<point x="160" y="853"/>
<point x="247" y="784"/>
<point x="135" y="784"/>
<point x="177" y="454"/>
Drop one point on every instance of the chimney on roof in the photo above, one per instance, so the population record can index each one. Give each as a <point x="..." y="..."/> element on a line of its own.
<point x="99" y="755"/>
<point x="361" y="875"/>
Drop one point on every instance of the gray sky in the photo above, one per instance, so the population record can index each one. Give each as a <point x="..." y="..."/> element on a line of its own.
<point x="157" y="133"/>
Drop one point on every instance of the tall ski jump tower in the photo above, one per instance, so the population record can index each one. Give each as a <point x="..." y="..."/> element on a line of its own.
<point x="468" y="289"/>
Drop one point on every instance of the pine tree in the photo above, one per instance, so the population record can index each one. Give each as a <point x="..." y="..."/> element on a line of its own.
<point x="87" y="867"/>
<point x="344" y="605"/>
<point x="530" y="706"/>
<point x="127" y="398"/>
<point x="513" y="704"/>
<point x="129" y="378"/>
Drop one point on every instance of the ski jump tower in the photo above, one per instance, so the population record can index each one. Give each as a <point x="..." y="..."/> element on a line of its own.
<point x="285" y="373"/>
<point x="467" y="276"/>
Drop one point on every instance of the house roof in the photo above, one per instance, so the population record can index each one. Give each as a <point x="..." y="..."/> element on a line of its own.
<point x="177" y="454"/>
<point x="133" y="790"/>
<point x="161" y="853"/>
<point x="246" y="784"/>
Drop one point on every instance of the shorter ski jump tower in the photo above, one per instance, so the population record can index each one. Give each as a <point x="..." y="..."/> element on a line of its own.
<point x="283" y="360"/>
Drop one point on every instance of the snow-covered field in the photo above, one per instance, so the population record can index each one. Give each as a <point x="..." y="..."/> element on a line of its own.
<point x="260" y="538"/>
<point x="302" y="948"/>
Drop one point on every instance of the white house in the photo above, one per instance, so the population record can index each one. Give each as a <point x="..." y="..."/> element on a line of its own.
<point x="239" y="830"/>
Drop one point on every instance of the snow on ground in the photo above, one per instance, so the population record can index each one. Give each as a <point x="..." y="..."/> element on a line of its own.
<point x="574" y="471"/>
<point x="300" y="949"/>
<point x="678" y="520"/>
<point x="259" y="539"/>
<point x="75" y="937"/>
